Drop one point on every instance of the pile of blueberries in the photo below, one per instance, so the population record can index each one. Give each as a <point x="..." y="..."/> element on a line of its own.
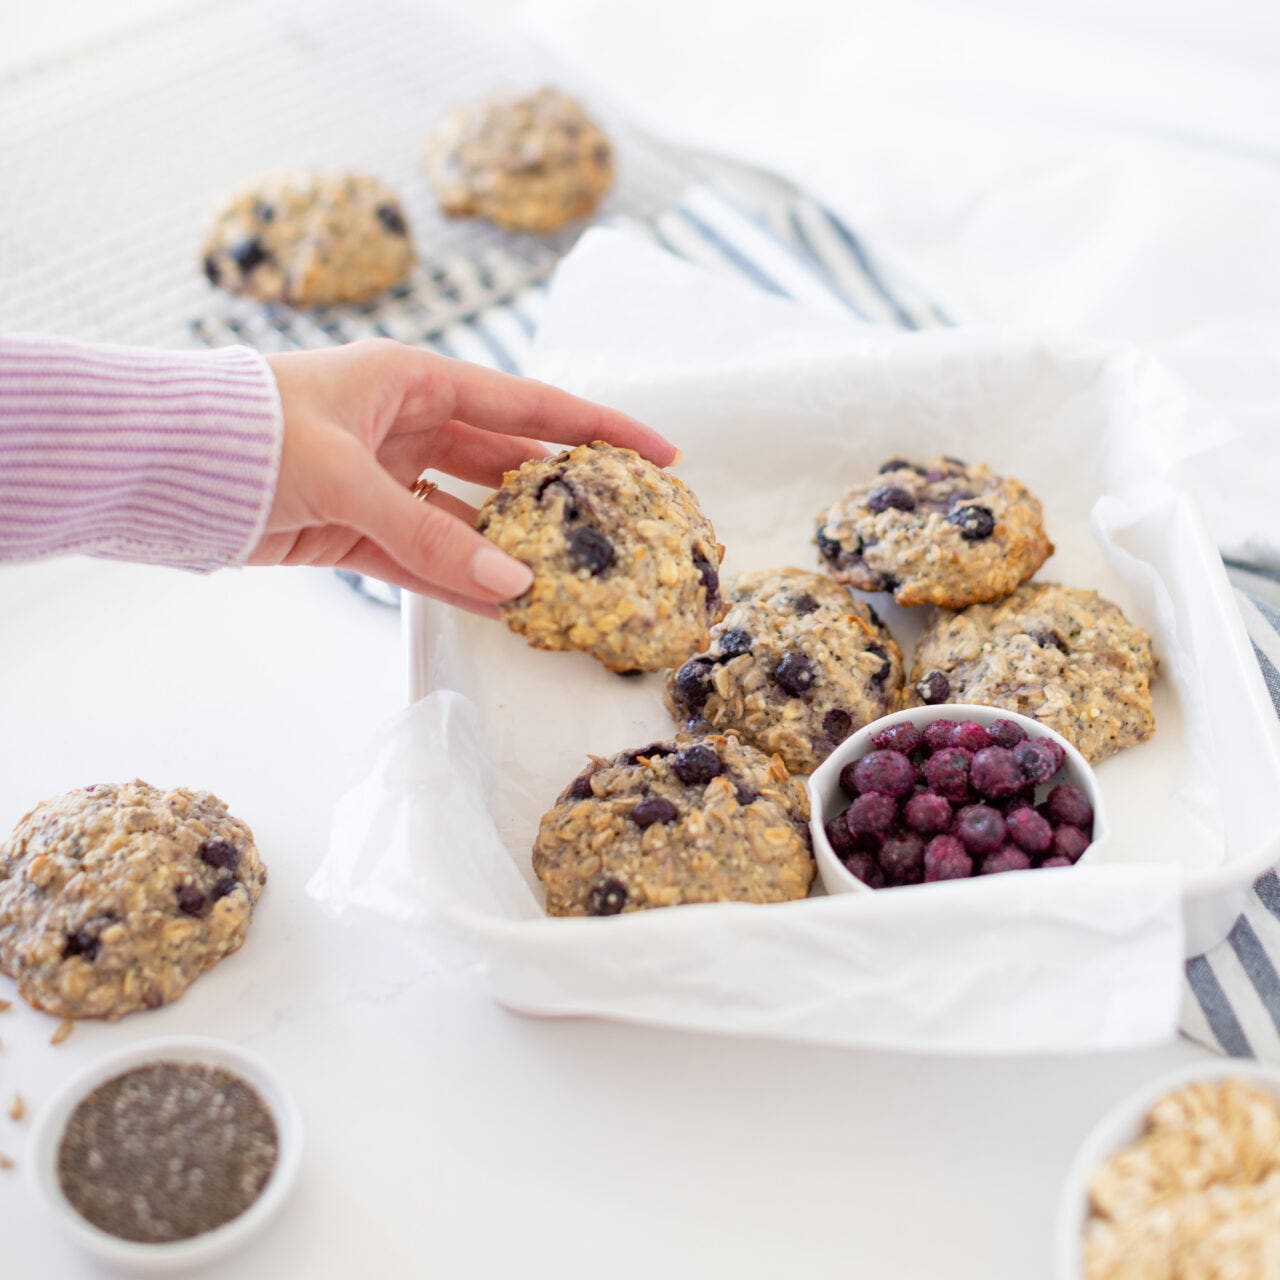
<point x="954" y="799"/>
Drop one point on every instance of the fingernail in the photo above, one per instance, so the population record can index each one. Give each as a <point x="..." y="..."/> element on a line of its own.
<point x="675" y="462"/>
<point x="496" y="571"/>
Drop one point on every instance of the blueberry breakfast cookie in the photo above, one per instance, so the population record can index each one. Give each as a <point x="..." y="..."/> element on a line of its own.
<point x="116" y="898"/>
<point x="529" y="162"/>
<point x="1064" y="656"/>
<point x="946" y="532"/>
<point x="626" y="566"/>
<point x="695" y="820"/>
<point x="796" y="665"/>
<point x="310" y="240"/>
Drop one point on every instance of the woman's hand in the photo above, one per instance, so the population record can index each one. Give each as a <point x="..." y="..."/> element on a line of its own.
<point x="362" y="422"/>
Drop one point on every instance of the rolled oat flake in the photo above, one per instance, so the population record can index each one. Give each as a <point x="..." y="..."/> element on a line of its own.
<point x="167" y="1151"/>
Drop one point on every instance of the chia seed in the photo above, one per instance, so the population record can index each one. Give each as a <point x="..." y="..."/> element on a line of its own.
<point x="167" y="1151"/>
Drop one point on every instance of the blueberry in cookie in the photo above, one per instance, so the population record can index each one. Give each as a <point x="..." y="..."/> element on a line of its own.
<point x="695" y="819"/>
<point x="626" y="565"/>
<point x="1062" y="655"/>
<point x="116" y="898"/>
<point x="944" y="532"/>
<point x="794" y="667"/>
<point x="528" y="162"/>
<point x="310" y="240"/>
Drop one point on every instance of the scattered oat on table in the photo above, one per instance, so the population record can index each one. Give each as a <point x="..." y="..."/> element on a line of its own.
<point x="64" y="1029"/>
<point x="5" y="1162"/>
<point x="5" y="1005"/>
<point x="17" y="1108"/>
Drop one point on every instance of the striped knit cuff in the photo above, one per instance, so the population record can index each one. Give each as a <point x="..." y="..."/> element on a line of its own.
<point x="161" y="457"/>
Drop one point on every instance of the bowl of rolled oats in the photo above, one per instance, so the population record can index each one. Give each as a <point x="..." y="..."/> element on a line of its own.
<point x="1181" y="1181"/>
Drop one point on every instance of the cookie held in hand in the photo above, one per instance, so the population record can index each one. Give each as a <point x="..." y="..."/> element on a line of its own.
<point x="626" y="566"/>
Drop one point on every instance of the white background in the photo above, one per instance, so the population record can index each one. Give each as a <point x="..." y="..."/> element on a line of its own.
<point x="446" y="1137"/>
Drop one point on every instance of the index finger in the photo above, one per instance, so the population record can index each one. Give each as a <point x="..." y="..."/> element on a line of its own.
<point x="525" y="407"/>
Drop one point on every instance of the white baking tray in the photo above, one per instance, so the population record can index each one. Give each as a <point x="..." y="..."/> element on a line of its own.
<point x="774" y="416"/>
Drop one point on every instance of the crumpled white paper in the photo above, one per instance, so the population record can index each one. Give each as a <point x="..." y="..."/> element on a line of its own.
<point x="776" y="411"/>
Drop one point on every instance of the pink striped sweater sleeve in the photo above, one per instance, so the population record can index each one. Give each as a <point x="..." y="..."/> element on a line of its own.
<point x="163" y="457"/>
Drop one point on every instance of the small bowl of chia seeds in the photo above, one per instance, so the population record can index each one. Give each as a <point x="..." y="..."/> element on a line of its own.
<point x="167" y="1155"/>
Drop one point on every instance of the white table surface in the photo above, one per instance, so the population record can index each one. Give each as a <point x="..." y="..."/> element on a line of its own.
<point x="446" y="1136"/>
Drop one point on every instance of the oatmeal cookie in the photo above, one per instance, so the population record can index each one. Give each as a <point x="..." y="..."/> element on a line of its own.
<point x="626" y="566"/>
<point x="946" y="532"/>
<point x="116" y="898"/>
<point x="1064" y="656"/>
<point x="529" y="162"/>
<point x="796" y="665"/>
<point x="699" y="819"/>
<point x="310" y="240"/>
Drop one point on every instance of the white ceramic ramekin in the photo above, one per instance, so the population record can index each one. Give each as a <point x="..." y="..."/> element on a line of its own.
<point x="180" y="1255"/>
<point x="1120" y="1127"/>
<point x="826" y="798"/>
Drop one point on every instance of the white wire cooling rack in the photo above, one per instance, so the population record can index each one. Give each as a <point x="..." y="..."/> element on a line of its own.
<point x="112" y="158"/>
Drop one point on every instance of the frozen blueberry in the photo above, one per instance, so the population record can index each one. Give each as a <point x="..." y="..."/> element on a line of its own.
<point x="934" y="688"/>
<point x="1008" y="858"/>
<point x="735" y="643"/>
<point x="902" y="858"/>
<point x="745" y="795"/>
<point x="697" y="765"/>
<point x="558" y="487"/>
<point x="870" y="815"/>
<point x="1036" y="760"/>
<point x="848" y="783"/>
<point x="191" y="901"/>
<point x="607" y="897"/>
<point x="1056" y="861"/>
<point x="947" y="773"/>
<point x="1004" y="733"/>
<point x="693" y="684"/>
<point x="890" y="496"/>
<point x="1056" y="751"/>
<point x="866" y="868"/>
<point x="980" y="828"/>
<point x="945" y="859"/>
<point x="794" y="673"/>
<point x="970" y="736"/>
<point x="1029" y="831"/>
<point x="838" y="833"/>
<point x="653" y="809"/>
<point x="221" y="854"/>
<point x="1066" y="803"/>
<point x="710" y="578"/>
<point x="937" y="734"/>
<point x="804" y="604"/>
<point x="974" y="522"/>
<point x="392" y="219"/>
<point x="927" y="813"/>
<point x="996" y="773"/>
<point x="248" y="254"/>
<point x="904" y="737"/>
<point x="580" y="787"/>
<point x="589" y="549"/>
<point x="889" y="772"/>
<point x="881" y="675"/>
<point x="1069" y="842"/>
<point x="837" y="723"/>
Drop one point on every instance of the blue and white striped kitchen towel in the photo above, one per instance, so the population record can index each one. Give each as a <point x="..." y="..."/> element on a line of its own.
<point x="791" y="246"/>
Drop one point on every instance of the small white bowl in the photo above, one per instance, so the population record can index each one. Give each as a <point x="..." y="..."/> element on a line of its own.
<point x="826" y="798"/>
<point x="179" y="1255"/>
<point x="1122" y="1125"/>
